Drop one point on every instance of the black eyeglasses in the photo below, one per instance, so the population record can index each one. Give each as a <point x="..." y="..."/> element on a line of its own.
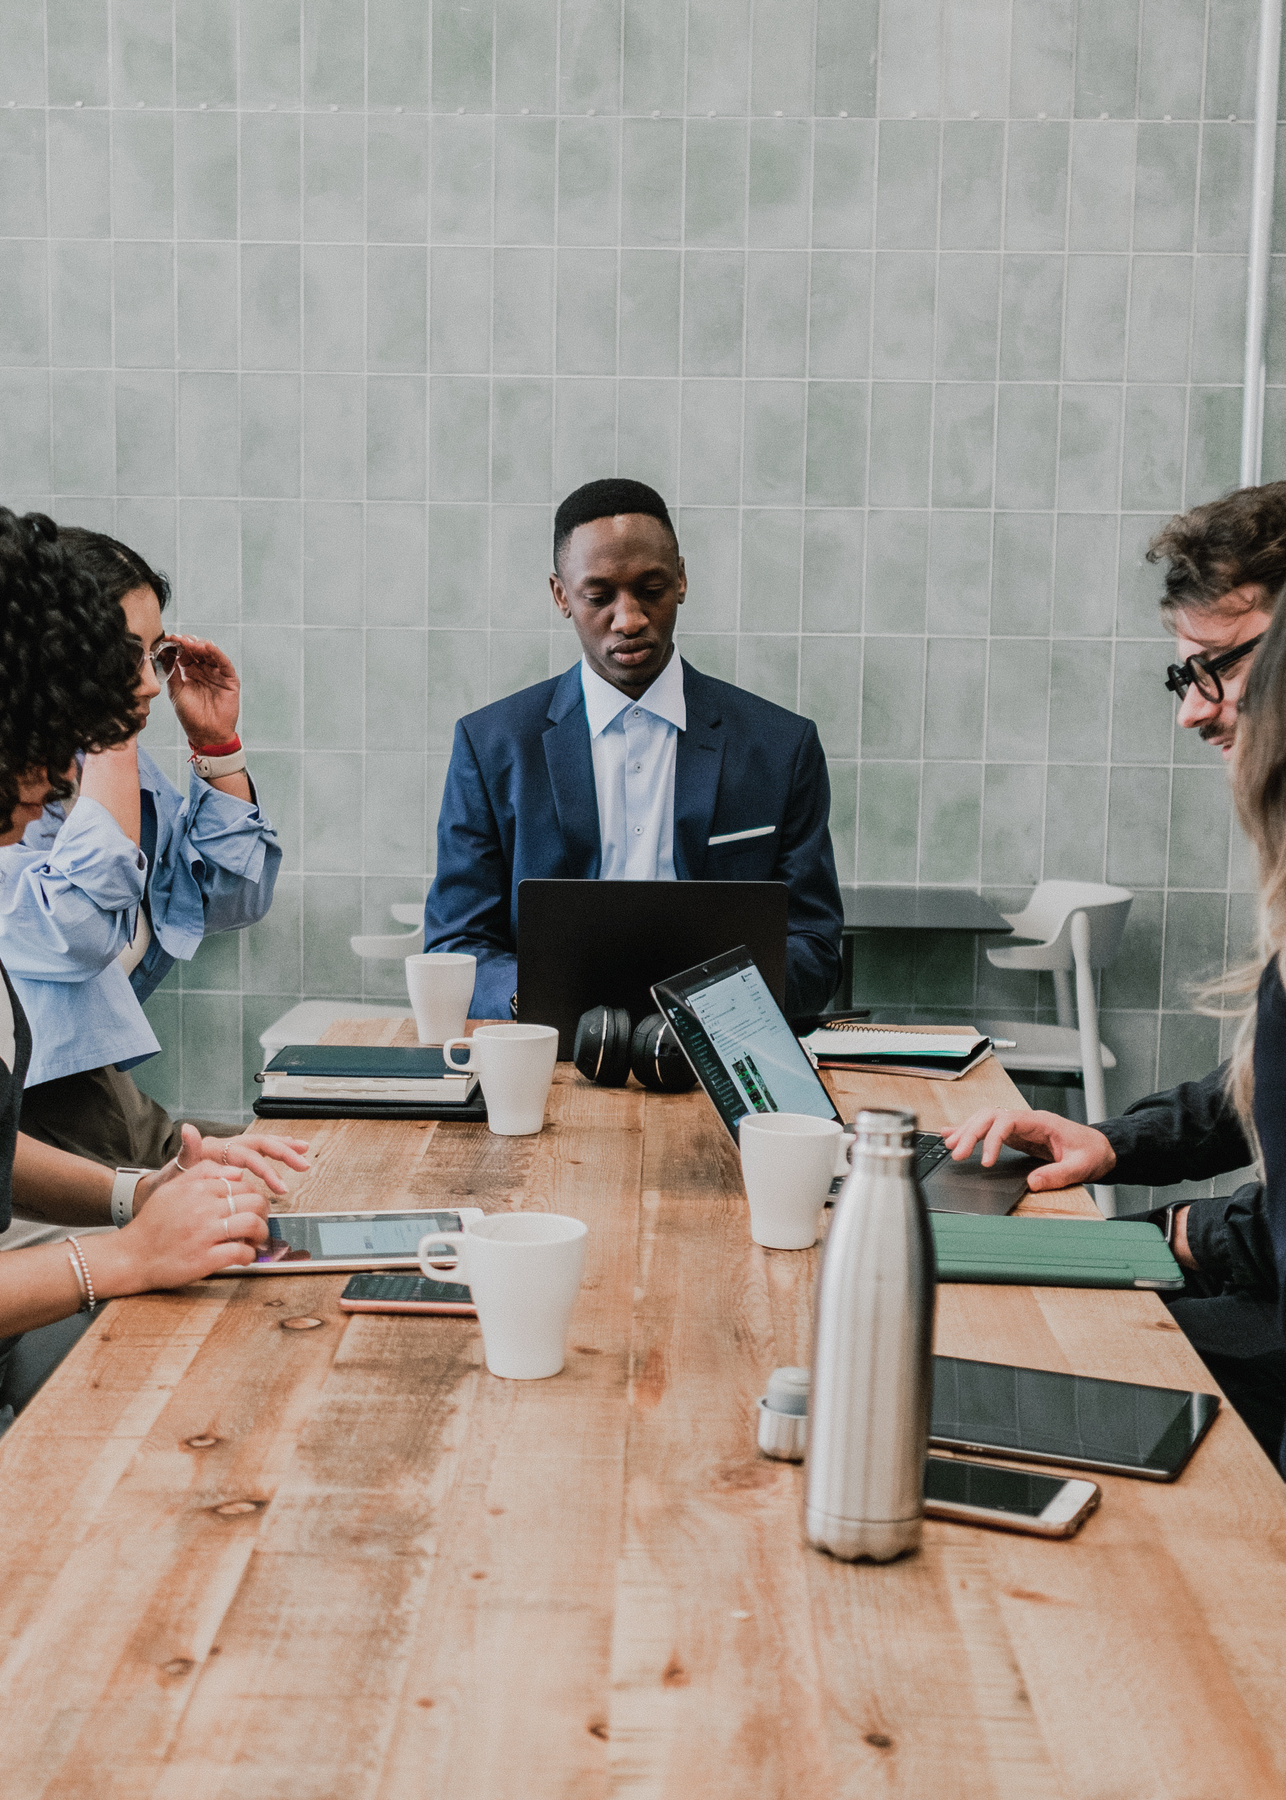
<point x="1203" y="672"/>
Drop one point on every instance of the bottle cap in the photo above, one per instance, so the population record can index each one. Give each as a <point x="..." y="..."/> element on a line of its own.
<point x="891" y="1129"/>
<point x="788" y="1391"/>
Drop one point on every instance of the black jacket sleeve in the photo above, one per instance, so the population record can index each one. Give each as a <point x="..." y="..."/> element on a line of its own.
<point x="1189" y="1133"/>
<point x="1232" y="1245"/>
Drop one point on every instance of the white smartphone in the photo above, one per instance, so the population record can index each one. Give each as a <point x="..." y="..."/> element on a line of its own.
<point x="312" y="1242"/>
<point x="1015" y="1499"/>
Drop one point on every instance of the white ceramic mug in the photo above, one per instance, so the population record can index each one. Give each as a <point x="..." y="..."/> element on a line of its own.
<point x="788" y="1161"/>
<point x="523" y="1272"/>
<point x="440" y="983"/>
<point x="515" y="1064"/>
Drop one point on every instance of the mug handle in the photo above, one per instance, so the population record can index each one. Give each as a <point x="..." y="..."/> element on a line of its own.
<point x="846" y="1141"/>
<point x="428" y="1263"/>
<point x="460" y="1068"/>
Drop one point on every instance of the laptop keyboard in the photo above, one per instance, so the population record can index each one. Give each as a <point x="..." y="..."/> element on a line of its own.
<point x="930" y="1150"/>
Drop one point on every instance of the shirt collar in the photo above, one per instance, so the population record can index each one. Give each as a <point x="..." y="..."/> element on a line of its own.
<point x="664" y="699"/>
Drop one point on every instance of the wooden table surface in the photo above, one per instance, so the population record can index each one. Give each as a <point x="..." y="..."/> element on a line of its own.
<point x="249" y="1556"/>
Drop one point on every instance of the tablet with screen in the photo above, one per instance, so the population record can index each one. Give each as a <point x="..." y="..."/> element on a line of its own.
<point x="742" y="1050"/>
<point x="1046" y="1415"/>
<point x="305" y="1243"/>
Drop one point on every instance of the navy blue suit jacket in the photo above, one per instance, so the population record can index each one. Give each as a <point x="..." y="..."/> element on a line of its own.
<point x="520" y="801"/>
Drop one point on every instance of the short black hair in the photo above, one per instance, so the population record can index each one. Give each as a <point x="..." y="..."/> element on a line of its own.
<point x="116" y="568"/>
<point x="603" y="500"/>
<point x="68" y="664"/>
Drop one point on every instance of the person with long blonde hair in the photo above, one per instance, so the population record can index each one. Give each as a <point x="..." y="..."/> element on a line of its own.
<point x="1232" y="1248"/>
<point x="1256" y="1078"/>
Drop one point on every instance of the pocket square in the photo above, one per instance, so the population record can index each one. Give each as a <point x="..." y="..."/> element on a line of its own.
<point x="737" y="837"/>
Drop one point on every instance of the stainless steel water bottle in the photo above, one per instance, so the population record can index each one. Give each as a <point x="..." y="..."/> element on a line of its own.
<point x="872" y="1384"/>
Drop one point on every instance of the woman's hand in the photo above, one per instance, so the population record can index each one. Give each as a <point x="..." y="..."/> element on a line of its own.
<point x="192" y="1228"/>
<point x="1075" y="1153"/>
<point x="205" y="691"/>
<point x="252" y="1152"/>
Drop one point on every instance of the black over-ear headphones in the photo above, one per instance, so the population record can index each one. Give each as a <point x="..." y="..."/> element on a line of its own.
<point x="607" y="1050"/>
<point x="602" y="1048"/>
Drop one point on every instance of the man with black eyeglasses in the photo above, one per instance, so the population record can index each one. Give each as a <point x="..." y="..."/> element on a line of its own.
<point x="1226" y="567"/>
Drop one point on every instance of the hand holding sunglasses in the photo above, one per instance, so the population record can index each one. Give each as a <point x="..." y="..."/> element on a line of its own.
<point x="203" y="685"/>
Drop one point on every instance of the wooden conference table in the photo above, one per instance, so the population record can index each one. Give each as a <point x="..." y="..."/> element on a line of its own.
<point x="251" y="1546"/>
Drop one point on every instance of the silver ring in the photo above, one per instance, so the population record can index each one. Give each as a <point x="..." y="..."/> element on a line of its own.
<point x="227" y="1184"/>
<point x="179" y="1166"/>
<point x="226" y="1232"/>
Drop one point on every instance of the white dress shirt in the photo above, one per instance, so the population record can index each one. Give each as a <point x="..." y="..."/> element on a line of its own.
<point x="633" y="745"/>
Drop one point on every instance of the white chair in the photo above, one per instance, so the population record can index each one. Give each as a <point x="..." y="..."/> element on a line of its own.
<point x="308" y="1022"/>
<point x="395" y="945"/>
<point x="1077" y="927"/>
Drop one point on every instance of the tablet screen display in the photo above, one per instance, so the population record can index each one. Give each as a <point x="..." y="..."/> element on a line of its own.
<point x="737" y="1039"/>
<point x="1053" y="1417"/>
<point x="352" y="1239"/>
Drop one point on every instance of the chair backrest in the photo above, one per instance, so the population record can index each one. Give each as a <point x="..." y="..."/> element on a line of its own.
<point x="1047" y="918"/>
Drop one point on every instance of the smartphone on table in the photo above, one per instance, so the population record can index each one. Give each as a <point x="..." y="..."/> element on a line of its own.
<point x="406" y="1294"/>
<point x="1015" y="1499"/>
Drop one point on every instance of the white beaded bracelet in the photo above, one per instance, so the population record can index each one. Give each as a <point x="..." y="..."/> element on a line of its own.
<point x="124" y="1187"/>
<point x="80" y="1269"/>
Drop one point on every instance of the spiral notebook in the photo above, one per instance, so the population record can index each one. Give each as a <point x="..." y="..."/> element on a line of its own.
<point x="940" y="1054"/>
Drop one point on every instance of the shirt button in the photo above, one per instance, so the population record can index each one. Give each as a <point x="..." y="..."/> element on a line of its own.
<point x="637" y="713"/>
<point x="637" y="767"/>
<point x="638" y="831"/>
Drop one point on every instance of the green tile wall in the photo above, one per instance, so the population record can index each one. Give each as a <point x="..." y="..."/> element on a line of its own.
<point x="922" y="315"/>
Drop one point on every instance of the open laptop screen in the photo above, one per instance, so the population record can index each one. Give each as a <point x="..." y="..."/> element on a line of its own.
<point x="736" y="1037"/>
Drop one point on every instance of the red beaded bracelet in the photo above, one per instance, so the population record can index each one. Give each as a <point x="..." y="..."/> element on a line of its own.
<point x="229" y="749"/>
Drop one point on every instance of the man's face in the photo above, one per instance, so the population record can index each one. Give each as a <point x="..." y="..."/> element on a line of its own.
<point x="1208" y="632"/>
<point x="621" y="584"/>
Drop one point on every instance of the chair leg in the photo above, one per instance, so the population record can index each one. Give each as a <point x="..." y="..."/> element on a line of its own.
<point x="1063" y="1009"/>
<point x="1087" y="1019"/>
<point x="1091" y="1057"/>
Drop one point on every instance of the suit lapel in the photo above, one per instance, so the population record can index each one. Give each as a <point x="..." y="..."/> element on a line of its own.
<point x="697" y="765"/>
<point x="571" y="777"/>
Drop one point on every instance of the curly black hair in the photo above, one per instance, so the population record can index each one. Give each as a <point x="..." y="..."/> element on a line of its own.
<point x="68" y="664"/>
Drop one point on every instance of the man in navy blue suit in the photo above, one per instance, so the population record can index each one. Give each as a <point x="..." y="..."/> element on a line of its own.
<point x="632" y="766"/>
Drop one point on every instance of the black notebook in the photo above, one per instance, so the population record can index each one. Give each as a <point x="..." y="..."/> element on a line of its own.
<point x="377" y="1074"/>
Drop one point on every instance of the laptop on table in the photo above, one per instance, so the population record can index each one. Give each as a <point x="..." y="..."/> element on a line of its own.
<point x="748" y="1059"/>
<point x="604" y="943"/>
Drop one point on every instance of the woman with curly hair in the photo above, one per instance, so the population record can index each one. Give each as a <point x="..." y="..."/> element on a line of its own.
<point x="68" y="681"/>
<point x="99" y="902"/>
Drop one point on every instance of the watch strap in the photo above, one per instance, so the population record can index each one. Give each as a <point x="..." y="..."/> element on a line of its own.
<point x="208" y="766"/>
<point x="123" y="1189"/>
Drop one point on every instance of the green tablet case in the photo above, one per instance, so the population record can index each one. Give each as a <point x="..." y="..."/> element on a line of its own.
<point x="1054" y="1252"/>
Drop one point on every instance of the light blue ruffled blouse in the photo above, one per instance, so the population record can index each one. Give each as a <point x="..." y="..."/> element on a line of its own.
<point x="69" y="899"/>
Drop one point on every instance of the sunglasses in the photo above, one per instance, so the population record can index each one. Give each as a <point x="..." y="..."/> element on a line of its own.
<point x="164" y="659"/>
<point x="1203" y="672"/>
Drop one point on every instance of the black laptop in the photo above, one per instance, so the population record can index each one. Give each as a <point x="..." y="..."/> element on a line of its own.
<point x="748" y="1059"/>
<point x="604" y="943"/>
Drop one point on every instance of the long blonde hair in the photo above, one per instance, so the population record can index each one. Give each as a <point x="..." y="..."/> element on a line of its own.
<point x="1259" y="794"/>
